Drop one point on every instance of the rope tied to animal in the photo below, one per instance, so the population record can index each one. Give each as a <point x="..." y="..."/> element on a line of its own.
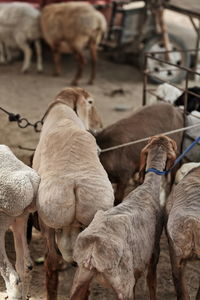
<point x="23" y="122"/>
<point x="158" y="172"/>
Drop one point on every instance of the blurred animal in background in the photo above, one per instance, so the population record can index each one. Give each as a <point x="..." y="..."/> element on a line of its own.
<point x="70" y="28"/>
<point x="165" y="92"/>
<point x="193" y="101"/>
<point x="19" y="25"/>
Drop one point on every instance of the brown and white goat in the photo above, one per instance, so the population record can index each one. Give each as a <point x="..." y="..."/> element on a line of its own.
<point x="121" y="164"/>
<point x="183" y="226"/>
<point x="74" y="184"/>
<point x="71" y="27"/>
<point x="122" y="243"/>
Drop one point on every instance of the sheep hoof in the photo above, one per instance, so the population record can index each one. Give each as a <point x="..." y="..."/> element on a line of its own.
<point x="91" y="82"/>
<point x="56" y="74"/>
<point x="40" y="71"/>
<point x="74" y="83"/>
<point x="25" y="71"/>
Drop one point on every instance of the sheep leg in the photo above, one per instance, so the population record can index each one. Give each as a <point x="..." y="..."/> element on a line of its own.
<point x="38" y="50"/>
<point x="2" y="54"/>
<point x="120" y="190"/>
<point x="10" y="276"/>
<point x="178" y="266"/>
<point x="93" y="53"/>
<point x="81" y="62"/>
<point x="81" y="283"/>
<point x="27" y="56"/>
<point x="57" y="59"/>
<point x="51" y="262"/>
<point x="24" y="264"/>
<point x="198" y="293"/>
<point x="151" y="276"/>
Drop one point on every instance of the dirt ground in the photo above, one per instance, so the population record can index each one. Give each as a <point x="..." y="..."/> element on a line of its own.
<point x="29" y="95"/>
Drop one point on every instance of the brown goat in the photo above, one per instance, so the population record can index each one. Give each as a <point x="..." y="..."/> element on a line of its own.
<point x="122" y="243"/>
<point x="71" y="27"/>
<point x="122" y="163"/>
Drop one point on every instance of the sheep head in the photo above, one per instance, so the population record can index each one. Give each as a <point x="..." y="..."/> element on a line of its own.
<point x="168" y="144"/>
<point x="82" y="103"/>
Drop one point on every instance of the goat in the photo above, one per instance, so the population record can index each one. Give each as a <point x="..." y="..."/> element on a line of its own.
<point x="122" y="163"/>
<point x="69" y="28"/>
<point x="183" y="227"/>
<point x="19" y="24"/>
<point x="123" y="242"/>
<point x="73" y="184"/>
<point x="193" y="102"/>
<point x="19" y="184"/>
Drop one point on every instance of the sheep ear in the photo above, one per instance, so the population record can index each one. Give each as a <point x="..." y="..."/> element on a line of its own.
<point x="81" y="108"/>
<point x="143" y="160"/>
<point x="94" y="119"/>
<point x="171" y="155"/>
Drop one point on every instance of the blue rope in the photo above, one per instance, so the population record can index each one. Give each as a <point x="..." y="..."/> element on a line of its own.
<point x="176" y="161"/>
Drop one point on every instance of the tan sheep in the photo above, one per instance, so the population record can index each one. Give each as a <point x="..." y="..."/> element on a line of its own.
<point x="69" y="28"/>
<point x="183" y="226"/>
<point x="74" y="184"/>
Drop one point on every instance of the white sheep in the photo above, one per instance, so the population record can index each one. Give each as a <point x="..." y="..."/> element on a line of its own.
<point x="183" y="226"/>
<point x="18" y="189"/>
<point x="19" y="25"/>
<point x="74" y="184"/>
<point x="71" y="27"/>
<point x="166" y="92"/>
<point x="122" y="243"/>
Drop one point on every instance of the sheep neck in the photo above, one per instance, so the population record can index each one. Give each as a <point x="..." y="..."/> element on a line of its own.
<point x="156" y="159"/>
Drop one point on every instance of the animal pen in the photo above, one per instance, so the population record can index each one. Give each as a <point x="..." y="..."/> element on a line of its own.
<point x="166" y="66"/>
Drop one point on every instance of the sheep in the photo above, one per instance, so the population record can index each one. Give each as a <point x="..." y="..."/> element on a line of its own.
<point x="122" y="243"/>
<point x="165" y="92"/>
<point x="69" y="28"/>
<point x="122" y="163"/>
<point x="19" y="25"/>
<point x="19" y="184"/>
<point x="74" y="184"/>
<point x="183" y="227"/>
<point x="184" y="170"/>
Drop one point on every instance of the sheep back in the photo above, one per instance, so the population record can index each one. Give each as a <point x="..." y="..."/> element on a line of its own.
<point x="72" y="24"/>
<point x="18" y="183"/>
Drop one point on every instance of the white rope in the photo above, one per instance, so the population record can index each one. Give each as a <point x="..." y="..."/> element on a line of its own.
<point x="146" y="139"/>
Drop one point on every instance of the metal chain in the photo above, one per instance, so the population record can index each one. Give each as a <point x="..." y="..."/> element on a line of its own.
<point x="23" y="122"/>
